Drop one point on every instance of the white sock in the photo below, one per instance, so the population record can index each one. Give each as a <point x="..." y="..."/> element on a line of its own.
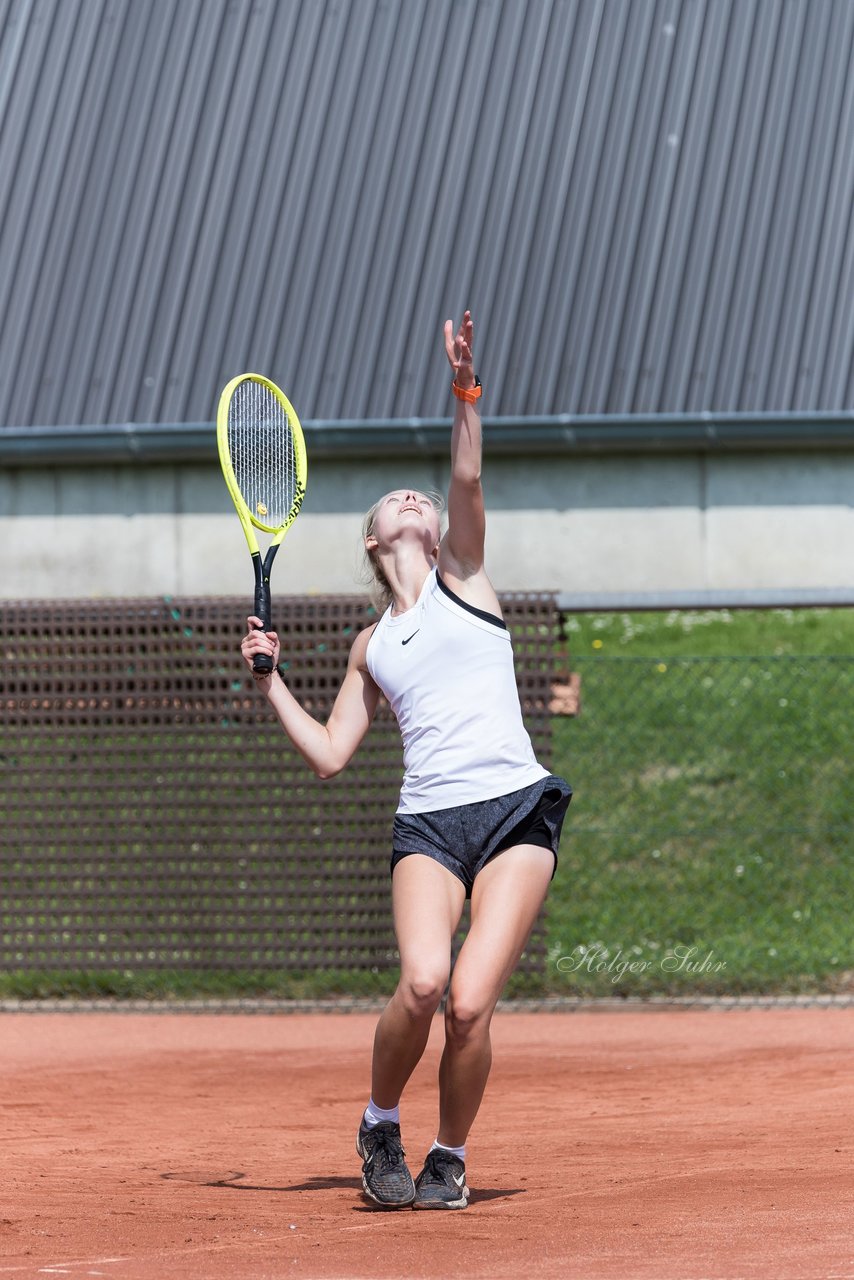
<point x="459" y="1152"/>
<point x="374" y="1114"/>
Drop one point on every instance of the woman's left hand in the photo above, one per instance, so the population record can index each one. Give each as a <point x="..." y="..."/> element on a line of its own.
<point x="459" y="350"/>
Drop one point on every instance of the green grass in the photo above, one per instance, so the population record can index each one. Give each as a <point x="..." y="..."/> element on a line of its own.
<point x="722" y="632"/>
<point x="297" y="985"/>
<point x="711" y="821"/>
<point x="318" y="984"/>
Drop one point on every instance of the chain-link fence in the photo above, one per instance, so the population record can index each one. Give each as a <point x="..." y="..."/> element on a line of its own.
<point x="157" y="824"/>
<point x="159" y="835"/>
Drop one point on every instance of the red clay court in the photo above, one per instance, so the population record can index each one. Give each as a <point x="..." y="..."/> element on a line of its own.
<point x="644" y="1145"/>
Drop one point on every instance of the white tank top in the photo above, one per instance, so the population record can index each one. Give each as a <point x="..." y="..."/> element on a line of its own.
<point x="447" y="671"/>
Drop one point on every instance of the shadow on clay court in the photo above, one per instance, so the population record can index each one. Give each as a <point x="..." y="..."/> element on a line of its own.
<point x="234" y="1182"/>
<point x="482" y="1193"/>
<point x="321" y="1184"/>
<point x="311" y="1184"/>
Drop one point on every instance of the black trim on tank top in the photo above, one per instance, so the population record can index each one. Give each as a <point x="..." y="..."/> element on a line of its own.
<point x="478" y="613"/>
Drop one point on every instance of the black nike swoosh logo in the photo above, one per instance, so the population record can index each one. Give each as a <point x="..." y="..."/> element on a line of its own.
<point x="408" y="638"/>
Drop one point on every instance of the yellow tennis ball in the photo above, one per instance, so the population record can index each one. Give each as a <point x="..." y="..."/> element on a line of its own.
<point x="261" y="509"/>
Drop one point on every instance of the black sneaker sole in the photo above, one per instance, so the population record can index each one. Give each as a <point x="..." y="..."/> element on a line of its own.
<point x="462" y="1203"/>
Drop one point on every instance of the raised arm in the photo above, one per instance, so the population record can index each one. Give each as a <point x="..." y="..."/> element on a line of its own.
<point x="325" y="748"/>
<point x="461" y="550"/>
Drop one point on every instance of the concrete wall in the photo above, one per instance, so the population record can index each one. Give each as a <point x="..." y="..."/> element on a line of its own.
<point x="561" y="523"/>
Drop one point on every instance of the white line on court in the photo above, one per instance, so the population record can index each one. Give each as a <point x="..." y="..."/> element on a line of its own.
<point x="61" y="1268"/>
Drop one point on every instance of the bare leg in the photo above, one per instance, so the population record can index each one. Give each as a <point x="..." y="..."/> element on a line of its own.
<point x="508" y="893"/>
<point x="428" y="902"/>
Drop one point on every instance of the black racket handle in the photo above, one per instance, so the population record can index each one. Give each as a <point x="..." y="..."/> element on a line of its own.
<point x="262" y="663"/>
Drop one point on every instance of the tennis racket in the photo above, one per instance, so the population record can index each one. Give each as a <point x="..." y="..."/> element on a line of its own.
<point x="262" y="455"/>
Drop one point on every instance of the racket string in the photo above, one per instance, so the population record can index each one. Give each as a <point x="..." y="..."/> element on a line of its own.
<point x="261" y="446"/>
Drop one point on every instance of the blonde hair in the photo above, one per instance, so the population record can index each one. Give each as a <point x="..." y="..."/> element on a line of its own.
<point x="371" y="574"/>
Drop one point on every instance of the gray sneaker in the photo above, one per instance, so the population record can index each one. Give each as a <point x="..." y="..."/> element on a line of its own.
<point x="385" y="1176"/>
<point x="441" y="1184"/>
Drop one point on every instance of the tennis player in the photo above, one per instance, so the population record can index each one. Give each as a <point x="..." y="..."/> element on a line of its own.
<point x="479" y="817"/>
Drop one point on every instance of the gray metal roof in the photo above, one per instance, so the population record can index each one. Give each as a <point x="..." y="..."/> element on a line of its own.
<point x="646" y="203"/>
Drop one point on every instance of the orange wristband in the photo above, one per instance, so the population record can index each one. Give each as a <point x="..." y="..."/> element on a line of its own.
<point x="469" y="394"/>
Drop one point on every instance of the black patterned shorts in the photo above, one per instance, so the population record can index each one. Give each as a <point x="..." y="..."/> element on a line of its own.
<point x="464" y="838"/>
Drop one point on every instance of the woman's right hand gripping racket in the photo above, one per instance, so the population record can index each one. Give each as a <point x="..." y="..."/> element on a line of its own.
<point x="263" y="459"/>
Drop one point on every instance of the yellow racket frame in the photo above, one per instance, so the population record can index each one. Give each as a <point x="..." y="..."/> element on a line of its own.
<point x="248" y="518"/>
<point x="262" y="664"/>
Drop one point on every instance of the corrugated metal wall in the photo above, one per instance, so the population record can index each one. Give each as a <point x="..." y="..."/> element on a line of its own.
<point x="647" y="204"/>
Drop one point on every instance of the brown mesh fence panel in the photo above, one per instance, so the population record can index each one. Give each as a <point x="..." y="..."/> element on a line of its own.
<point x="154" y="816"/>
